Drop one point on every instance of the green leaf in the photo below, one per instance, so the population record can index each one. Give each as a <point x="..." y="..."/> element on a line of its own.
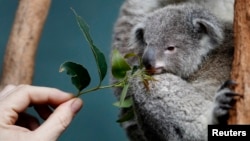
<point x="80" y="77"/>
<point x="128" y="55"/>
<point x="127" y="116"/>
<point x="125" y="104"/>
<point x="124" y="93"/>
<point x="134" y="69"/>
<point x="119" y="65"/>
<point x="99" y="56"/>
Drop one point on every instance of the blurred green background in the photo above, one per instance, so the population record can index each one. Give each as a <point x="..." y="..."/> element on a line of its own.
<point x="62" y="41"/>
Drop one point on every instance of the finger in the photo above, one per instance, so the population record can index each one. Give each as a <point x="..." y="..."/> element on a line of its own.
<point x="26" y="94"/>
<point x="7" y="89"/>
<point x="59" y="119"/>
<point x="22" y="96"/>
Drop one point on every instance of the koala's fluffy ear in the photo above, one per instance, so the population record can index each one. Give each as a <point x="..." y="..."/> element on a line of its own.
<point x="138" y="34"/>
<point x="209" y="27"/>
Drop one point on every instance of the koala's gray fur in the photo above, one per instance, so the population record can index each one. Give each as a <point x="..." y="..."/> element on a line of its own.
<point x="180" y="104"/>
<point x="133" y="11"/>
<point x="223" y="9"/>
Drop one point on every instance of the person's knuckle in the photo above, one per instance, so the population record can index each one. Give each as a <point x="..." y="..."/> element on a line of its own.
<point x="23" y="86"/>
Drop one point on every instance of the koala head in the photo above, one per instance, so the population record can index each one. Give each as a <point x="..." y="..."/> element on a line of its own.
<point x="176" y="39"/>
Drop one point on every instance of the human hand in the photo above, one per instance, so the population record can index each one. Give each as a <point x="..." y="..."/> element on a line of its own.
<point x="15" y="124"/>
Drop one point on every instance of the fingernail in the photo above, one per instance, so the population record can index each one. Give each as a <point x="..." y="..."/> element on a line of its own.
<point x="76" y="105"/>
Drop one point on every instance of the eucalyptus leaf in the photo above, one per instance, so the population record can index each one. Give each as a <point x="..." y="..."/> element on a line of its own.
<point x="134" y="69"/>
<point x="125" y="104"/>
<point x="128" y="55"/>
<point x="80" y="77"/>
<point x="124" y="93"/>
<point x="127" y="116"/>
<point x="99" y="56"/>
<point x="119" y="65"/>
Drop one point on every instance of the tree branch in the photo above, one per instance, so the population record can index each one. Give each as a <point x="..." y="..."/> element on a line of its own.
<point x="241" y="65"/>
<point x="21" y="48"/>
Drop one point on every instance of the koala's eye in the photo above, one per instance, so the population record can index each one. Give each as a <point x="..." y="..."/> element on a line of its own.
<point x="170" y="49"/>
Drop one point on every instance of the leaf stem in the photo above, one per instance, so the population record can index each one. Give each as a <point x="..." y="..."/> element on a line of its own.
<point x="118" y="84"/>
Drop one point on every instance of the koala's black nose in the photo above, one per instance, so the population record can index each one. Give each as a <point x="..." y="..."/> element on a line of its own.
<point x="148" y="58"/>
<point x="147" y="64"/>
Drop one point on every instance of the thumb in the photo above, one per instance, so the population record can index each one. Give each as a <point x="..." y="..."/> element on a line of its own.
<point x="59" y="120"/>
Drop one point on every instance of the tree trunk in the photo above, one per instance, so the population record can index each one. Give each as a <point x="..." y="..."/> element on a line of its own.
<point x="241" y="65"/>
<point x="21" y="48"/>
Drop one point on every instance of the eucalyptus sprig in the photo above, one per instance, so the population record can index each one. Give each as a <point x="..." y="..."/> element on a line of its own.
<point x="121" y="70"/>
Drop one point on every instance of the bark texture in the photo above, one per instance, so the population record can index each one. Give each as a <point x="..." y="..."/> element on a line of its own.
<point x="19" y="59"/>
<point x="241" y="64"/>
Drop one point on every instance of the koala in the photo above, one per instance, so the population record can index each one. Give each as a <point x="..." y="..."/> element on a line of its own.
<point x="133" y="11"/>
<point x="188" y="50"/>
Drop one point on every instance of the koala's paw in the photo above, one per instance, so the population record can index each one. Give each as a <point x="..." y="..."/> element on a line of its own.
<point x="225" y="100"/>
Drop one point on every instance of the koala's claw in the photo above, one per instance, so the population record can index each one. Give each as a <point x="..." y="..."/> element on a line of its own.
<point x="228" y="84"/>
<point x="225" y="100"/>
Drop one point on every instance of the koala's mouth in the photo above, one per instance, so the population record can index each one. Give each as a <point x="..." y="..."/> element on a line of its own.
<point x="155" y="71"/>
